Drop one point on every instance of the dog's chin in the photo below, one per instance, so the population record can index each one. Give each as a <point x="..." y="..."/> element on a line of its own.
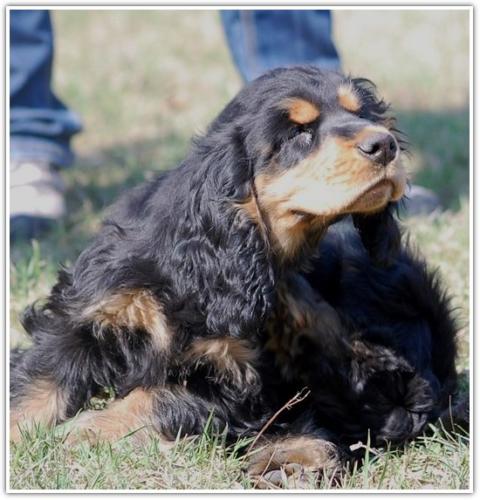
<point x="371" y="199"/>
<point x="377" y="195"/>
<point x="316" y="212"/>
<point x="374" y="199"/>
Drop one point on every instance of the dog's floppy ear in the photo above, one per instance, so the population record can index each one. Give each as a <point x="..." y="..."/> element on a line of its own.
<point x="380" y="234"/>
<point x="219" y="255"/>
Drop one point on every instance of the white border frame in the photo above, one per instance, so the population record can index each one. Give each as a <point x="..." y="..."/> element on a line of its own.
<point x="245" y="6"/>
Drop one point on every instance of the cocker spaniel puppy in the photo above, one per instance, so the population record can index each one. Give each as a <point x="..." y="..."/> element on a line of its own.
<point x="217" y="290"/>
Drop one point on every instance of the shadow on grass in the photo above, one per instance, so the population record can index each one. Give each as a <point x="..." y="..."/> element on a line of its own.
<point x="439" y="142"/>
<point x="93" y="184"/>
<point x="99" y="178"/>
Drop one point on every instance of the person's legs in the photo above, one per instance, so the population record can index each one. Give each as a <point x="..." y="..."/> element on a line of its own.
<point x="263" y="39"/>
<point x="40" y="126"/>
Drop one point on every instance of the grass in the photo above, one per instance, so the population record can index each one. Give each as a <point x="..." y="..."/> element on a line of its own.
<point x="144" y="82"/>
<point x="41" y="461"/>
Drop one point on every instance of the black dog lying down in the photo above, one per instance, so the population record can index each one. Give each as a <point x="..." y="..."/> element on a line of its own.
<point x="215" y="290"/>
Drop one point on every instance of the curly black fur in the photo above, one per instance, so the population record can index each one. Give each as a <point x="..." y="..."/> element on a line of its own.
<point x="393" y="369"/>
<point x="388" y="366"/>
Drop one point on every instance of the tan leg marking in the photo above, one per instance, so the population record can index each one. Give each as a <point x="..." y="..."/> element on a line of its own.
<point x="132" y="413"/>
<point x="133" y="309"/>
<point x="44" y="403"/>
<point x="231" y="357"/>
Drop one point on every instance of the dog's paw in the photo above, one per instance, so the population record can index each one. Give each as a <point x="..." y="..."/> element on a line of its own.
<point x="294" y="462"/>
<point x="291" y="476"/>
<point x="368" y="358"/>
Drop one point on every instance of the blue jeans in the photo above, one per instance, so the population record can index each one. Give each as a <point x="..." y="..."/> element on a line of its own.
<point x="40" y="125"/>
<point x="263" y="39"/>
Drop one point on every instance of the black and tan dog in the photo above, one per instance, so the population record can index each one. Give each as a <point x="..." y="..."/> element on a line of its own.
<point x="217" y="289"/>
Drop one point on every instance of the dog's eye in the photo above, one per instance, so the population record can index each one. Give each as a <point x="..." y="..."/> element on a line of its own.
<point x="302" y="135"/>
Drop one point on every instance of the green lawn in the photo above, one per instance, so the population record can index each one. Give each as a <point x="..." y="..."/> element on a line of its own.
<point x="144" y="82"/>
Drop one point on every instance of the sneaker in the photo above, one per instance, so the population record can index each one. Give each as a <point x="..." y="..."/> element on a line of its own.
<point x="37" y="199"/>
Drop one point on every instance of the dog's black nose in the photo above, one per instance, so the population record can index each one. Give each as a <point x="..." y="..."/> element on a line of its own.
<point x="380" y="147"/>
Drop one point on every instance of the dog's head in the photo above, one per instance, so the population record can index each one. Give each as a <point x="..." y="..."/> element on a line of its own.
<point x="294" y="151"/>
<point x="317" y="146"/>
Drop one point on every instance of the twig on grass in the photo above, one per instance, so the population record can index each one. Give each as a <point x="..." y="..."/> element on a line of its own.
<point x="298" y="398"/>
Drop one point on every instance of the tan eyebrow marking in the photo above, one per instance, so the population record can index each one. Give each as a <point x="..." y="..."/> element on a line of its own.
<point x="348" y="98"/>
<point x="301" y="111"/>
